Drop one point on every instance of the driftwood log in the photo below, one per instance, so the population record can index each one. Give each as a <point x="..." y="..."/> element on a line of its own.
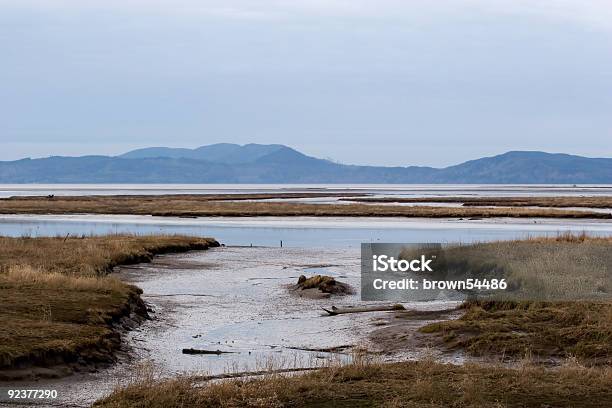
<point x="198" y="351"/>
<point x="385" y="308"/>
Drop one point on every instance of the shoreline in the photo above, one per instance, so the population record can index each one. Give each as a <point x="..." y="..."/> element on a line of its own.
<point x="56" y="365"/>
<point x="193" y="206"/>
<point x="103" y="348"/>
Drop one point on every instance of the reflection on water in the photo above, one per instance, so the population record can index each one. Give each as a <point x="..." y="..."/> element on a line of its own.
<point x="299" y="231"/>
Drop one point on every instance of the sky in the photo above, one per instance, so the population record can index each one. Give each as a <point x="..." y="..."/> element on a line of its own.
<point x="383" y="82"/>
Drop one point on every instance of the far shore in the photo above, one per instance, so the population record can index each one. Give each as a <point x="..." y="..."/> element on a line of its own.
<point x="531" y="201"/>
<point x="236" y="205"/>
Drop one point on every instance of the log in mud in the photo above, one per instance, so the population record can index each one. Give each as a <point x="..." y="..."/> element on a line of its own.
<point x="333" y="311"/>
<point x="201" y="351"/>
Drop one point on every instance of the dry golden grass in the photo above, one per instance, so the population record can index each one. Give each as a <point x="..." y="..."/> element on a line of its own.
<point x="564" y="267"/>
<point x="56" y="303"/>
<point x="409" y="384"/>
<point x="203" y="205"/>
<point x="90" y="256"/>
<point x="559" y="301"/>
<point x="28" y="275"/>
<point x="539" y="329"/>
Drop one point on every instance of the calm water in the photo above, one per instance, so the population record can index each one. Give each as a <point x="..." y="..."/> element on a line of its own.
<point x="298" y="231"/>
<point x="407" y="190"/>
<point x="301" y="232"/>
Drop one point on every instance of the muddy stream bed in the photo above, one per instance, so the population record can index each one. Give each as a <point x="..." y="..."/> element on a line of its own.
<point x="236" y="300"/>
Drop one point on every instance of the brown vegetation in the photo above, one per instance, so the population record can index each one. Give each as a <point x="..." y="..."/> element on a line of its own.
<point x="367" y="384"/>
<point x="215" y="205"/>
<point x="559" y="302"/>
<point x="538" y="329"/>
<point x="325" y="284"/>
<point x="58" y="307"/>
<point x="564" y="267"/>
<point x="525" y="331"/>
<point x="564" y="201"/>
<point x="319" y="287"/>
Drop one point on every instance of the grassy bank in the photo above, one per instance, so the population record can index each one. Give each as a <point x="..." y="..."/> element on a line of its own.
<point x="409" y="384"/>
<point x="565" y="267"/>
<point x="540" y="330"/>
<point x="232" y="205"/>
<point x="585" y="202"/>
<point x="559" y="305"/>
<point x="58" y="307"/>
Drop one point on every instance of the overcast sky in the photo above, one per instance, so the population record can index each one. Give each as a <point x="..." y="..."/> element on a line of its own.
<point x="369" y="82"/>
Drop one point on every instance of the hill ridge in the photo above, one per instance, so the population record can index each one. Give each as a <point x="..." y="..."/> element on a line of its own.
<point x="256" y="163"/>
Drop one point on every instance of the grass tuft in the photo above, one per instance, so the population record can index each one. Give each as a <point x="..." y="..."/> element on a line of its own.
<point x="408" y="384"/>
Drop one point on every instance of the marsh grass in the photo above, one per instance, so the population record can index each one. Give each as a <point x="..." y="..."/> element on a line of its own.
<point x="235" y="206"/>
<point x="57" y="304"/>
<point x="568" y="201"/>
<point x="539" y="330"/>
<point x="28" y="275"/>
<point x="559" y="305"/>
<point x="374" y="384"/>
<point x="564" y="267"/>
<point x="90" y="255"/>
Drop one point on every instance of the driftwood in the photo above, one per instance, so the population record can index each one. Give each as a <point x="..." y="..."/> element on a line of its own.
<point x="335" y="349"/>
<point x="253" y="373"/>
<point x="197" y="351"/>
<point x="387" y="308"/>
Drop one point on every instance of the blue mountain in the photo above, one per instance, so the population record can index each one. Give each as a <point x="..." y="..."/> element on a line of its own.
<point x="256" y="163"/>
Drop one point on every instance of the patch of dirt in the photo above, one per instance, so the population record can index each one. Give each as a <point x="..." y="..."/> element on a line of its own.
<point x="400" y="331"/>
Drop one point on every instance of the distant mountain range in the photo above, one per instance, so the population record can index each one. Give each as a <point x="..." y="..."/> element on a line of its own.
<point x="255" y="163"/>
<point x="226" y="153"/>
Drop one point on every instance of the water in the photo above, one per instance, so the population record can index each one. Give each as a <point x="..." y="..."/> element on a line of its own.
<point x="249" y="311"/>
<point x="298" y="231"/>
<point x="235" y="298"/>
<point x="400" y="190"/>
<point x="303" y="231"/>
